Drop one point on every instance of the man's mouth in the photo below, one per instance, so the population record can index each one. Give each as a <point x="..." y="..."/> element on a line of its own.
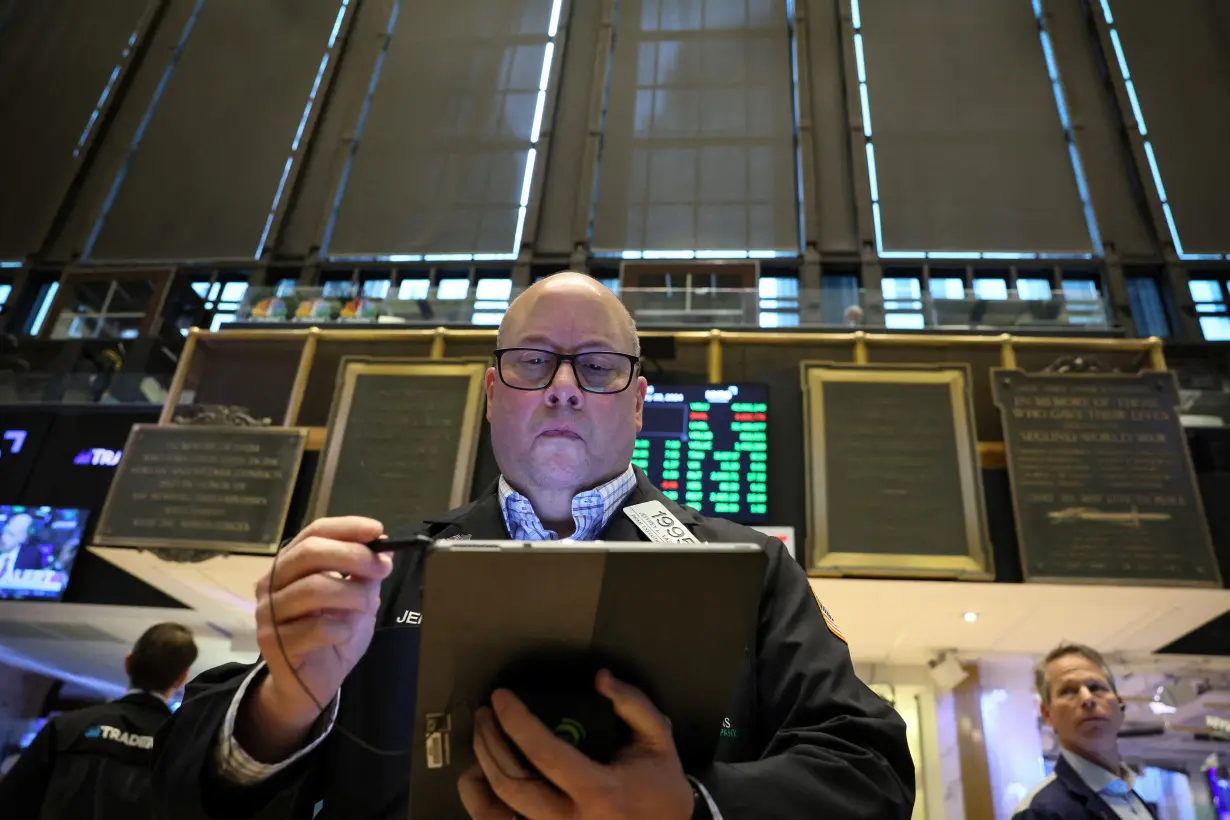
<point x="558" y="432"/>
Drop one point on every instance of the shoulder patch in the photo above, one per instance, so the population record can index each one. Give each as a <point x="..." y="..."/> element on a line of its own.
<point x="828" y="619"/>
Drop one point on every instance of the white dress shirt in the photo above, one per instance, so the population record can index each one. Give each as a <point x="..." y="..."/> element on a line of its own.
<point x="1116" y="790"/>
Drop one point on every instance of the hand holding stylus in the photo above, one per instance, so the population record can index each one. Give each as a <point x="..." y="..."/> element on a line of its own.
<point x="315" y="615"/>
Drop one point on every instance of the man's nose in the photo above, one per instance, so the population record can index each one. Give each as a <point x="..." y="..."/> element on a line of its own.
<point x="564" y="389"/>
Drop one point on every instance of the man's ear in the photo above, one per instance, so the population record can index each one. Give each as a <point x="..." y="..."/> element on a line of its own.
<point x="1045" y="710"/>
<point x="128" y="665"/>
<point x="641" y="387"/>
<point x="489" y="386"/>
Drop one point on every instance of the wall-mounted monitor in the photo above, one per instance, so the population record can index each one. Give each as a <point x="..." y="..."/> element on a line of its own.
<point x="37" y="548"/>
<point x="706" y="447"/>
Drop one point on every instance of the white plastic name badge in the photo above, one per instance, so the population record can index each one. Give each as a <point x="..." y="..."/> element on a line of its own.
<point x="658" y="523"/>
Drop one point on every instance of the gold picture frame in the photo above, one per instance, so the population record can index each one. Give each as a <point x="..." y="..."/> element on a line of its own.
<point x="102" y="537"/>
<point x="975" y="560"/>
<point x="350" y="371"/>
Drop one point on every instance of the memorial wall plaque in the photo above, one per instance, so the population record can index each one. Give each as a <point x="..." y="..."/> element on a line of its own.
<point x="894" y="483"/>
<point x="223" y="488"/>
<point x="1102" y="481"/>
<point x="401" y="440"/>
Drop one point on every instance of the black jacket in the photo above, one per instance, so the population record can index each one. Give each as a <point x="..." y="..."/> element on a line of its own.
<point x="91" y="764"/>
<point x="29" y="556"/>
<point x="1065" y="796"/>
<point x="806" y="737"/>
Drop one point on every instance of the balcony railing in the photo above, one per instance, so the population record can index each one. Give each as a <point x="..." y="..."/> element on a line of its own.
<point x="52" y="387"/>
<point x="728" y="308"/>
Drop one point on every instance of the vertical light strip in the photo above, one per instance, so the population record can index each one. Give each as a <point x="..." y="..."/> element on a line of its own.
<point x="307" y="112"/>
<point x="389" y="28"/>
<point x="531" y="157"/>
<point x="796" y="113"/>
<point x="96" y="231"/>
<point x="44" y="306"/>
<point x="1130" y="86"/>
<point x="860" y="61"/>
<point x="106" y="93"/>
<point x="1061" y="106"/>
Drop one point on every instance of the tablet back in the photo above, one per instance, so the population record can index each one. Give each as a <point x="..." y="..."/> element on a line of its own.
<point x="678" y="618"/>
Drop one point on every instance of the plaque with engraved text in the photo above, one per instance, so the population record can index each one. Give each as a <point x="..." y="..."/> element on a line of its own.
<point x="401" y="441"/>
<point x="1102" y="481"/>
<point x="893" y="476"/>
<point x="224" y="488"/>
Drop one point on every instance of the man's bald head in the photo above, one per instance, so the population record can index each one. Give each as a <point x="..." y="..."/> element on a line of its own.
<point x="569" y="283"/>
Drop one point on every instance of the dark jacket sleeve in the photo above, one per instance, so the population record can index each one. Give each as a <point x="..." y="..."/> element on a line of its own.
<point x="23" y="788"/>
<point x="831" y="746"/>
<point x="1032" y="813"/>
<point x="185" y="781"/>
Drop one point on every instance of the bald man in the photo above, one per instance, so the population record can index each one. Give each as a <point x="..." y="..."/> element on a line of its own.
<point x="804" y="738"/>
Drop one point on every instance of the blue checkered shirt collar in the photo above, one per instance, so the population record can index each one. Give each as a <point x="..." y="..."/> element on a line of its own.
<point x="591" y="510"/>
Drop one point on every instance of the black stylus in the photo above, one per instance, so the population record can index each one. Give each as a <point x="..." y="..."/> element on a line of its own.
<point x="395" y="544"/>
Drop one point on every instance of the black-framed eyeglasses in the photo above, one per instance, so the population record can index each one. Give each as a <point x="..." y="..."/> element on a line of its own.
<point x="528" y="368"/>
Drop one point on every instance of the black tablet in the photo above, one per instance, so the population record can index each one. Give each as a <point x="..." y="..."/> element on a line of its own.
<point x="676" y="620"/>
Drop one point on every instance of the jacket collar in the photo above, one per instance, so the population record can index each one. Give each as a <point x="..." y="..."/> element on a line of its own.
<point x="1095" y="777"/>
<point x="1080" y="791"/>
<point x="146" y="699"/>
<point x="483" y="519"/>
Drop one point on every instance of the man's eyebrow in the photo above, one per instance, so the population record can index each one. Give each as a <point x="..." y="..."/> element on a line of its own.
<point x="591" y="344"/>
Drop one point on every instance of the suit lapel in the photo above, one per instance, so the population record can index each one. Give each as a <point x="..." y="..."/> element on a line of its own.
<point x="1095" y="806"/>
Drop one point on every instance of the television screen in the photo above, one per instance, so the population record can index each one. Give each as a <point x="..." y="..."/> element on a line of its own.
<point x="706" y="447"/>
<point x="37" y="549"/>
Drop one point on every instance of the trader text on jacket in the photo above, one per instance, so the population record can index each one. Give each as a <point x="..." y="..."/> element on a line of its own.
<point x="803" y="738"/>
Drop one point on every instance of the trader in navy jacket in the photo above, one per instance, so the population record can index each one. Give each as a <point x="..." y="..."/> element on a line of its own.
<point x="93" y="763"/>
<point x="803" y="738"/>
<point x="1090" y="782"/>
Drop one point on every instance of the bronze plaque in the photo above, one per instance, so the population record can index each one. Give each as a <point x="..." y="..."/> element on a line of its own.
<point x="1102" y="480"/>
<point x="223" y="488"/>
<point x="401" y="442"/>
<point x="894" y="483"/>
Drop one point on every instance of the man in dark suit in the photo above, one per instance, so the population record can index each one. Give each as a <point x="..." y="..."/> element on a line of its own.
<point x="93" y="763"/>
<point x="16" y="551"/>
<point x="804" y="737"/>
<point x="1081" y="704"/>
